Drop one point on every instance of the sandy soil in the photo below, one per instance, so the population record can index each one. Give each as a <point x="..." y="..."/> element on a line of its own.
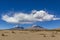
<point x="29" y="35"/>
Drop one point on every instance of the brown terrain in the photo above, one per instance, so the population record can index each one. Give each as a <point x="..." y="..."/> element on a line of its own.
<point x="29" y="34"/>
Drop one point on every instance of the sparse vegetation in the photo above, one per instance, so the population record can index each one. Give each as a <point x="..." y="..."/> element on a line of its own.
<point x="52" y="35"/>
<point x="44" y="35"/>
<point x="41" y="34"/>
<point x="19" y="34"/>
<point x="56" y="32"/>
<point x="3" y="34"/>
<point x="34" y="30"/>
<point x="13" y="32"/>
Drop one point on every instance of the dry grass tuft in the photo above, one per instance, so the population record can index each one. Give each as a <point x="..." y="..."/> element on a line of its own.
<point x="44" y="35"/>
<point x="4" y="34"/>
<point x="13" y="32"/>
<point x="53" y="36"/>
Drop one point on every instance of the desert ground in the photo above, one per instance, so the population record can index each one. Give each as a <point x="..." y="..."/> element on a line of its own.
<point x="29" y="35"/>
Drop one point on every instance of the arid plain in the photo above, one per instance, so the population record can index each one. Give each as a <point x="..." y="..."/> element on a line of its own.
<point x="29" y="35"/>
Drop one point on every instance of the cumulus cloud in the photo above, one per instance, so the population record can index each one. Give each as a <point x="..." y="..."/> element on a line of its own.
<point x="34" y="16"/>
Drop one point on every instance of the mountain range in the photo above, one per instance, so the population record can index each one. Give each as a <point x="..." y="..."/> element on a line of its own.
<point x="34" y="27"/>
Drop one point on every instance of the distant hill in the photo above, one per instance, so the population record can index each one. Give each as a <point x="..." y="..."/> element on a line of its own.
<point x="17" y="28"/>
<point x="58" y="29"/>
<point x="36" y="27"/>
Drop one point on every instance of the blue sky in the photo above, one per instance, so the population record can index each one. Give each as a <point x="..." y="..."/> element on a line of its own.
<point x="26" y="6"/>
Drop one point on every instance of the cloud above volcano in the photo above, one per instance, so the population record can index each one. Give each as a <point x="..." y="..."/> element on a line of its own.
<point x="34" y="16"/>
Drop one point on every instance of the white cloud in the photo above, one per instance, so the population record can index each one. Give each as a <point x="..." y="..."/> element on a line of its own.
<point x="34" y="16"/>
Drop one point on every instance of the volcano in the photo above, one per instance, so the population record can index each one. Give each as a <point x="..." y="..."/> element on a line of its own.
<point x="36" y="27"/>
<point x="17" y="28"/>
